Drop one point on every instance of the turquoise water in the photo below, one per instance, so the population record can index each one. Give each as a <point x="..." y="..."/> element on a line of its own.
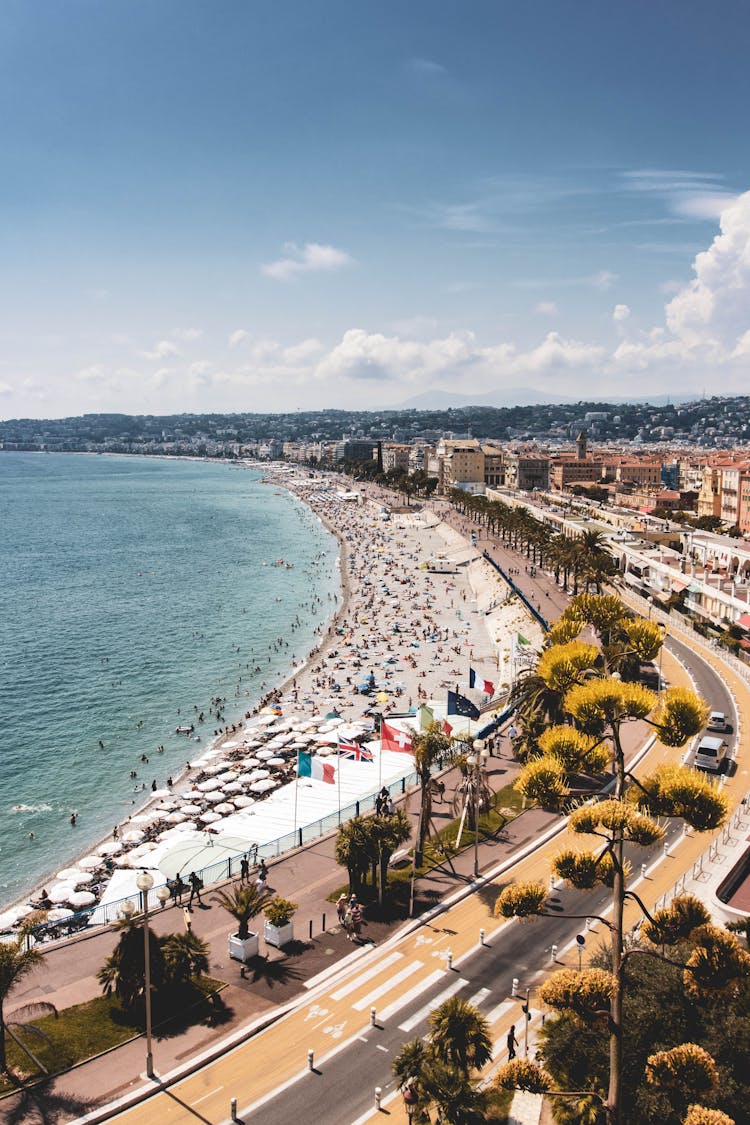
<point x="134" y="593"/>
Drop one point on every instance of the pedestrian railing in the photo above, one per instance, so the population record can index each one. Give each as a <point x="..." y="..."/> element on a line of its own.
<point x="517" y="590"/>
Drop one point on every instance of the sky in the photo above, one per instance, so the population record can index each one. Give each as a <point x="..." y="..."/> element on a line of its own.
<point x="231" y="205"/>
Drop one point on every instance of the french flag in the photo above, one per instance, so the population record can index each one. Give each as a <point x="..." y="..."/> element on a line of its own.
<point x="484" y="685"/>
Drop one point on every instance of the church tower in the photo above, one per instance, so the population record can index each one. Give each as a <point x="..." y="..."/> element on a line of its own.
<point x="581" y="446"/>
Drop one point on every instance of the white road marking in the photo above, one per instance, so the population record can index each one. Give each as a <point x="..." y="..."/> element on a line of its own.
<point x="210" y="1094"/>
<point x="373" y="971"/>
<point x="381" y="990"/>
<point x="412" y="994"/>
<point x="500" y="1010"/>
<point x="411" y="1023"/>
<point x="479" y="997"/>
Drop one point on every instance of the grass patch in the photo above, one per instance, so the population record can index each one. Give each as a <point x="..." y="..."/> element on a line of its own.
<point x="83" y="1030"/>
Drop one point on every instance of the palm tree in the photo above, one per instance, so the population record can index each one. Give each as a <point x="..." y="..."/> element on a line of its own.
<point x="428" y="747"/>
<point x="387" y="834"/>
<point x="243" y="902"/>
<point x="353" y="850"/>
<point x="124" y="971"/>
<point x="185" y="957"/>
<point x="15" y="963"/>
<point x="460" y="1035"/>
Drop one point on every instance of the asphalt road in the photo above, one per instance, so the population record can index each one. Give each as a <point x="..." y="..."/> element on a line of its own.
<point x="341" y="1088"/>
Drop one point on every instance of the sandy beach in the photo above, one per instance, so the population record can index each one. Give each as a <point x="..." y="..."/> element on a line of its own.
<point x="419" y="607"/>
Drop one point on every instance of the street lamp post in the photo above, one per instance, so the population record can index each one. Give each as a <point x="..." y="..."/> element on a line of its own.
<point x="144" y="883"/>
<point x="476" y="761"/>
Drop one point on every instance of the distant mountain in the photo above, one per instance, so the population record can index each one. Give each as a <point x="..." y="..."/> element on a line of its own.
<point x="523" y="396"/>
<point x="510" y="396"/>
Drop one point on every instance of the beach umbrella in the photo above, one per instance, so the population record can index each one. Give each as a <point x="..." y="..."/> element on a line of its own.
<point x="214" y="796"/>
<point x="264" y="755"/>
<point x="141" y="818"/>
<point x="226" y="808"/>
<point x="256" y="775"/>
<point x="8" y="920"/>
<point x="382" y="697"/>
<point x="264" y="785"/>
<point x="276" y="762"/>
<point x="89" y="862"/>
<point x="209" y="817"/>
<point x="248" y="763"/>
<point x="223" y="778"/>
<point x="231" y="745"/>
<point x="133" y="836"/>
<point x="190" y="810"/>
<point x="244" y="802"/>
<point x="191" y="794"/>
<point x="60" y="892"/>
<point x="175" y="817"/>
<point x="82" y="898"/>
<point x="111" y="847"/>
<point x="82" y="878"/>
<point x="68" y="874"/>
<point x="233" y="787"/>
<point x="161" y="793"/>
<point x="58" y="914"/>
<point x="333" y="715"/>
<point x="217" y="767"/>
<point x="206" y="786"/>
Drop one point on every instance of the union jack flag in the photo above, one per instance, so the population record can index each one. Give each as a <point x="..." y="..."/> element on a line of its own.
<point x="353" y="752"/>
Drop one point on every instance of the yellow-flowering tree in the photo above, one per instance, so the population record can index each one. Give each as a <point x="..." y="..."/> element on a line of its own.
<point x="586" y="735"/>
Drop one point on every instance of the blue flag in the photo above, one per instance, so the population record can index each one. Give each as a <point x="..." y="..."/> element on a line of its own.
<point x="460" y="705"/>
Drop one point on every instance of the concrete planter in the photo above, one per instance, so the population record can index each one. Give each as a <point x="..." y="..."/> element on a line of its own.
<point x="278" y="935"/>
<point x="243" y="949"/>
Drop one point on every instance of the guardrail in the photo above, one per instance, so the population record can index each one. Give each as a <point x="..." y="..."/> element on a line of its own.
<point x="517" y="590"/>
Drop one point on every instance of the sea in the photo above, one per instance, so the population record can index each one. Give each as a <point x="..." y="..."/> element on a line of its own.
<point x="135" y="591"/>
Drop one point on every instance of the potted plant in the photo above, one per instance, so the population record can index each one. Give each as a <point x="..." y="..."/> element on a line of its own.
<point x="279" y="928"/>
<point x="243" y="903"/>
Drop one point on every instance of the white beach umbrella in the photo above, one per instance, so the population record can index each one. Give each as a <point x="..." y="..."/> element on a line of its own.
<point x="191" y="794"/>
<point x="233" y="787"/>
<point x="140" y="818"/>
<point x="82" y="898"/>
<point x="68" y="874"/>
<point x="243" y="802"/>
<point x="209" y="817"/>
<point x="190" y="810"/>
<point x="276" y="762"/>
<point x="231" y="745"/>
<point x="206" y="786"/>
<point x="226" y="808"/>
<point x="8" y="920"/>
<point x="215" y="767"/>
<point x="111" y="847"/>
<point x="214" y="796"/>
<point x="264" y="755"/>
<point x="161" y="793"/>
<point x="133" y="836"/>
<point x="248" y="763"/>
<point x="59" y="914"/>
<point x="81" y="879"/>
<point x="255" y="775"/>
<point x="224" y="778"/>
<point x="89" y="862"/>
<point x="175" y="817"/>
<point x="264" y="785"/>
<point x="60" y="892"/>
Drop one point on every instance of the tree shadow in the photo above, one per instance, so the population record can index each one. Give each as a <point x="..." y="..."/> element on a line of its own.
<point x="41" y="1104"/>
<point x="272" y="974"/>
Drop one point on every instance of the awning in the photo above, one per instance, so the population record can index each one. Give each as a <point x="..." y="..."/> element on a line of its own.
<point x="744" y="621"/>
<point x="679" y="584"/>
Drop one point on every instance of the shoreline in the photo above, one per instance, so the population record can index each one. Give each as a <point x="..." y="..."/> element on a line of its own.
<point x="301" y="677"/>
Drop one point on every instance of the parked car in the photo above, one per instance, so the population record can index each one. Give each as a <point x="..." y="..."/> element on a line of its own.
<point x="710" y="754"/>
<point x="717" y="721"/>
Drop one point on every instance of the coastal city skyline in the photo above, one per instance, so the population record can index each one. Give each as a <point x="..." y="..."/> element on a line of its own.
<point x="320" y="207"/>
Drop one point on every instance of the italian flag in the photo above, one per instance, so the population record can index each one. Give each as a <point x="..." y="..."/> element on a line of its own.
<point x="308" y="766"/>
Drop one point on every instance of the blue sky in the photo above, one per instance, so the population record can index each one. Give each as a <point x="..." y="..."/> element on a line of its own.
<point x="244" y="206"/>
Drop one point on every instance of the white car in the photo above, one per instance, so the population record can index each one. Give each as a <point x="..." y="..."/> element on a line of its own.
<point x="717" y="722"/>
<point x="710" y="754"/>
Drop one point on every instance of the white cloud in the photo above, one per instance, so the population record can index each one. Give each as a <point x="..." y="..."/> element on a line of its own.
<point x="602" y="279"/>
<point x="546" y="308"/>
<point x="162" y="350"/>
<point x="6" y="389"/>
<point x="620" y="313"/>
<point x="238" y="337"/>
<point x="310" y="258"/>
<point x="689" y="195"/>
<point x="188" y="334"/>
<point x="425" y="67"/>
<point x="302" y="352"/>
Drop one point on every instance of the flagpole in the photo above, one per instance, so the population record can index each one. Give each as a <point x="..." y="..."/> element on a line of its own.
<point x="380" y="754"/>
<point x="296" y="787"/>
<point x="338" y="774"/>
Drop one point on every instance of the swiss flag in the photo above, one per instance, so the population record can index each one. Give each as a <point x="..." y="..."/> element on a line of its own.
<point x="393" y="739"/>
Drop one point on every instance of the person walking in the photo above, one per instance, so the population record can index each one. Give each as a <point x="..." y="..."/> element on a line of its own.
<point x="512" y="1042"/>
<point x="356" y="917"/>
<point x="341" y="908"/>
<point x="178" y="890"/>
<point x="244" y="869"/>
<point x="262" y="877"/>
<point x="195" y="889"/>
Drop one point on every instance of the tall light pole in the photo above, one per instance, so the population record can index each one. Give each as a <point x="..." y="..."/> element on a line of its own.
<point x="476" y="761"/>
<point x="144" y="883"/>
